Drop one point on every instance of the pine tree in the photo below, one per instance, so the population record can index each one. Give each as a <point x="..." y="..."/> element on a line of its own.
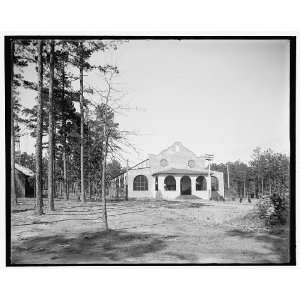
<point x="105" y="145"/>
<point x="81" y="125"/>
<point x="83" y="50"/>
<point x="64" y="143"/>
<point x="50" y="129"/>
<point x="12" y="128"/>
<point x="39" y="135"/>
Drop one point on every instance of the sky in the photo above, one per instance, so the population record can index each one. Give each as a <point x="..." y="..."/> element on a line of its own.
<point x="222" y="97"/>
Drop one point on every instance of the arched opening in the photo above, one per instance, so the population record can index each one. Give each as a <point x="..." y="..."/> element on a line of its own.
<point x="185" y="186"/>
<point x="140" y="183"/>
<point x="201" y="183"/>
<point x="214" y="183"/>
<point x="170" y="183"/>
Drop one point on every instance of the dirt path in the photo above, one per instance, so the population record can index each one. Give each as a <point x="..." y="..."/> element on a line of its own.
<point x="145" y="232"/>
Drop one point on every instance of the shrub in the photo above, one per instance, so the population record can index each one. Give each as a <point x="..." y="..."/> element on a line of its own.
<point x="274" y="209"/>
<point x="216" y="196"/>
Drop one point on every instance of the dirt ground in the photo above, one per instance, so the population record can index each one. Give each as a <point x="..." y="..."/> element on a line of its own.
<point x="181" y="231"/>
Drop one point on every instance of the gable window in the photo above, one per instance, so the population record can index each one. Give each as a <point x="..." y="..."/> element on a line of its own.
<point x="140" y="183"/>
<point x="191" y="163"/>
<point x="201" y="183"/>
<point x="170" y="183"/>
<point x="163" y="162"/>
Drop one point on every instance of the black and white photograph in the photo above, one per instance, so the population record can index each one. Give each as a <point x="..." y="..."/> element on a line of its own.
<point x="150" y="150"/>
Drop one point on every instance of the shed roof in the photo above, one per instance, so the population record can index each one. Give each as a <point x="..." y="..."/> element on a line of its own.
<point x="24" y="170"/>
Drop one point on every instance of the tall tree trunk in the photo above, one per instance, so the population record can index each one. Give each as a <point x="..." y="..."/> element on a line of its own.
<point x="103" y="198"/>
<point x="66" y="192"/>
<point x="55" y="167"/>
<point x="257" y="187"/>
<point x="89" y="163"/>
<point x="65" y="167"/>
<point x="14" y="200"/>
<point x="50" y="130"/>
<point x="81" y="126"/>
<point x="39" y="136"/>
<point x="89" y="168"/>
<point x="126" y="180"/>
<point x="90" y="186"/>
<point x="228" y="182"/>
<point x="54" y="153"/>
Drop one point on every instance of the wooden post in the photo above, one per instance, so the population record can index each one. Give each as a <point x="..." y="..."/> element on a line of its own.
<point x="228" y="185"/>
<point x="209" y="184"/>
<point x="126" y="182"/>
<point x="209" y="158"/>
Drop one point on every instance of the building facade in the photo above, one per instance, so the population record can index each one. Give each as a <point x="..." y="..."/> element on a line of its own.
<point x="174" y="173"/>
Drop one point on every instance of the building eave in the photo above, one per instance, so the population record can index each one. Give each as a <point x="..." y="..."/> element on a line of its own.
<point x="174" y="171"/>
<point x="24" y="170"/>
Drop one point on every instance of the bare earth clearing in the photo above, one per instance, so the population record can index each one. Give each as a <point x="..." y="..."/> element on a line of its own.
<point x="182" y="231"/>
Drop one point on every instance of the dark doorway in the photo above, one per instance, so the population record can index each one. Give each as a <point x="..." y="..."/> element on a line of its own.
<point x="185" y="186"/>
<point x="29" y="186"/>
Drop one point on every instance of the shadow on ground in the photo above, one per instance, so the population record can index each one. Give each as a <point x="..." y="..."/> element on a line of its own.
<point x="277" y="243"/>
<point x="20" y="210"/>
<point x="182" y="204"/>
<point x="98" y="247"/>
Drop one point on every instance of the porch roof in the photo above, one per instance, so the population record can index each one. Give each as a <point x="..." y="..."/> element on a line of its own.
<point x="174" y="171"/>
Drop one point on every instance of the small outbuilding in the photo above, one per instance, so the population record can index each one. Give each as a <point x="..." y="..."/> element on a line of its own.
<point x="25" y="180"/>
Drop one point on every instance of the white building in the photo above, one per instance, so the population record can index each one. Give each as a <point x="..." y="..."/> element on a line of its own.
<point x="173" y="173"/>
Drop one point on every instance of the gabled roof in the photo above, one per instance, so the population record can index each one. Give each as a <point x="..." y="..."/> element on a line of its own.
<point x="177" y="147"/>
<point x="24" y="170"/>
<point x="175" y="171"/>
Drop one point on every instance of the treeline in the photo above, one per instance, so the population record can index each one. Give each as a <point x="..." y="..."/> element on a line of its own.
<point x="72" y="146"/>
<point x="267" y="173"/>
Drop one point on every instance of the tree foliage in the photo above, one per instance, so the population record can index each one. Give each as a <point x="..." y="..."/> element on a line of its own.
<point x="71" y="127"/>
<point x="266" y="173"/>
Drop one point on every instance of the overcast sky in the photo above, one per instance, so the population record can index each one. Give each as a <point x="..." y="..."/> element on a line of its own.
<point x="221" y="97"/>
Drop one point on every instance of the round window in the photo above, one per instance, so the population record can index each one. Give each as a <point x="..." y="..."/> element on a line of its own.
<point x="163" y="162"/>
<point x="191" y="163"/>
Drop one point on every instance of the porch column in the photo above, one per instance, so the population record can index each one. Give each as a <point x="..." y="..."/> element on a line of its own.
<point x="208" y="183"/>
<point x="161" y="186"/>
<point x="193" y="184"/>
<point x="177" y="178"/>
